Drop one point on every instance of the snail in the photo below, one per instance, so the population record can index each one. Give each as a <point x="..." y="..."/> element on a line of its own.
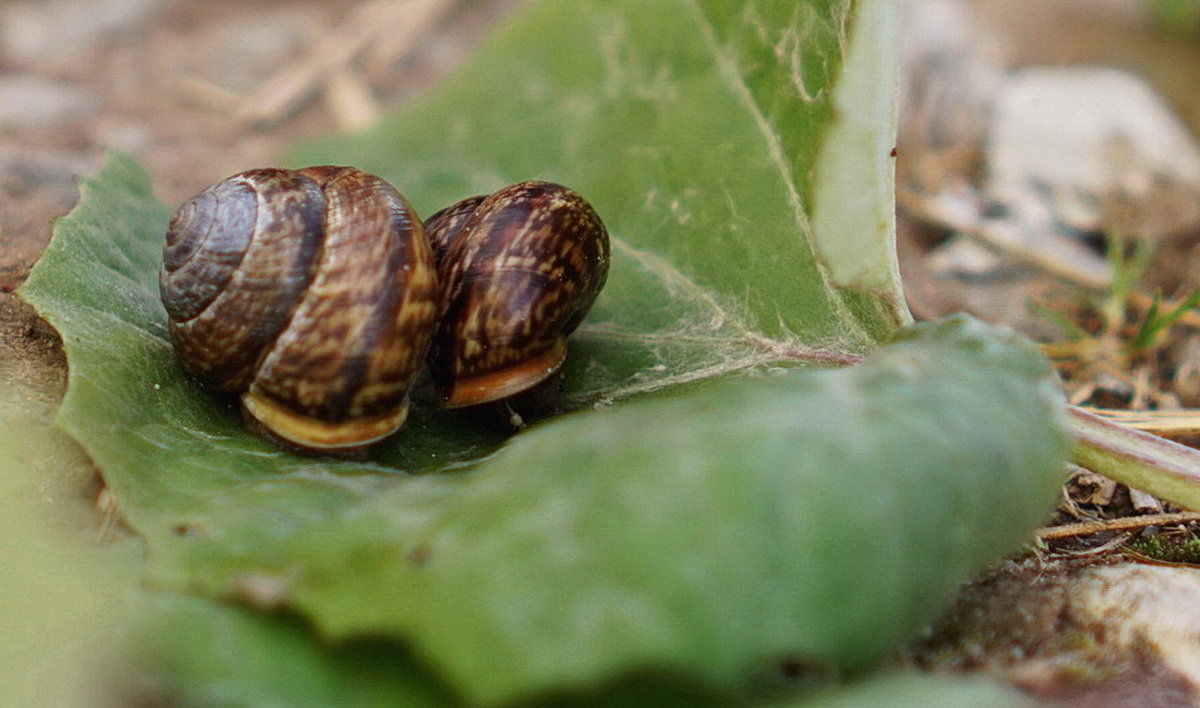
<point x="311" y="293"/>
<point x="314" y="295"/>
<point x="519" y="270"/>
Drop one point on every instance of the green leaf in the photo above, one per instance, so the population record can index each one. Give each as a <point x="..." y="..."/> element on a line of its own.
<point x="912" y="690"/>
<point x="813" y="514"/>
<point x="191" y="652"/>
<point x="1180" y="16"/>
<point x="820" y="516"/>
<point x="749" y="203"/>
<point x="709" y="531"/>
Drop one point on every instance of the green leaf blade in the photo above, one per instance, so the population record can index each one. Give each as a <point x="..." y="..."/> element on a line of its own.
<point x="179" y="461"/>
<point x="811" y="515"/>
<point x="191" y="652"/>
<point x="687" y="126"/>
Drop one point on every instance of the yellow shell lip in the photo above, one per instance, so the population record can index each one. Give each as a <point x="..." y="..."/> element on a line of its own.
<point x="497" y="385"/>
<point x="316" y="434"/>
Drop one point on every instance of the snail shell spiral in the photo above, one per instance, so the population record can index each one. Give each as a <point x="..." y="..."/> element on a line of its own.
<point x="519" y="269"/>
<point x="310" y="292"/>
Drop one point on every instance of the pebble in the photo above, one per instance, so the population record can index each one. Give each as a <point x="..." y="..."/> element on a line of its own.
<point x="1069" y="139"/>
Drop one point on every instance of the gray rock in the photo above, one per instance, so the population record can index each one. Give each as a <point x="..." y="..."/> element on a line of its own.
<point x="1066" y="141"/>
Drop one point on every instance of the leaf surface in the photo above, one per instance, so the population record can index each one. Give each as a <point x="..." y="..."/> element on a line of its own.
<point x="194" y="652"/>
<point x="811" y="515"/>
<point x="695" y="128"/>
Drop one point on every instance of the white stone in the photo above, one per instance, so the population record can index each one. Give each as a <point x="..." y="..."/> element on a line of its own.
<point x="1068" y="137"/>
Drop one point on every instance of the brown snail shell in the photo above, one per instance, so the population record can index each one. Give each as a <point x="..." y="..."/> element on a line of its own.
<point x="519" y="269"/>
<point x="312" y="293"/>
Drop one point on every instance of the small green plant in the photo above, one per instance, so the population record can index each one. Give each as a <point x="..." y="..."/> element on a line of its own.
<point x="1181" y="16"/>
<point x="1169" y="549"/>
<point x="1128" y="265"/>
<point x="1159" y="319"/>
<point x="1129" y="333"/>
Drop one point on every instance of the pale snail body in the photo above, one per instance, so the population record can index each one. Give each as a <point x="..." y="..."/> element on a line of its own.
<point x="519" y="269"/>
<point x="311" y="293"/>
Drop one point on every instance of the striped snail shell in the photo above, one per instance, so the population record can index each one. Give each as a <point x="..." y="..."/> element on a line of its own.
<point x="519" y="270"/>
<point x="311" y="293"/>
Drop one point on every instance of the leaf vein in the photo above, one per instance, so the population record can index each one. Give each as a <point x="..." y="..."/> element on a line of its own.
<point x="728" y="71"/>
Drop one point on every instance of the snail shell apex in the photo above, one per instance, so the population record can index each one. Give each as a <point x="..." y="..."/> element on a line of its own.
<point x="312" y="293"/>
<point x="520" y="269"/>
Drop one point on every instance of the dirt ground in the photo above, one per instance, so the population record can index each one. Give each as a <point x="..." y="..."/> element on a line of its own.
<point x="200" y="90"/>
<point x="197" y="91"/>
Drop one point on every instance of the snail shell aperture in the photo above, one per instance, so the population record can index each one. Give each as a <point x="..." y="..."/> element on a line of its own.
<point x="519" y="269"/>
<point x="312" y="293"/>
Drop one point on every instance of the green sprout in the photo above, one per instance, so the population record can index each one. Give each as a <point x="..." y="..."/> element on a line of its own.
<point x="1180" y="16"/>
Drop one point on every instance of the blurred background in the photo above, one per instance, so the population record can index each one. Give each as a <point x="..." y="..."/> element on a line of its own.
<point x="198" y="90"/>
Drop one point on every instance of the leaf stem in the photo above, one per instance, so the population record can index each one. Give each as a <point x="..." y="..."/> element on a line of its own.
<point x="1135" y="458"/>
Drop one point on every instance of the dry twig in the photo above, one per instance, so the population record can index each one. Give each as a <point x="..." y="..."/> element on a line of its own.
<point x="386" y="28"/>
<point x="1127" y="523"/>
<point x="1178" y="422"/>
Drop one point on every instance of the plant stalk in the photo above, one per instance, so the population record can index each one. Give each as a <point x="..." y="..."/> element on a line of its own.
<point x="1135" y="458"/>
